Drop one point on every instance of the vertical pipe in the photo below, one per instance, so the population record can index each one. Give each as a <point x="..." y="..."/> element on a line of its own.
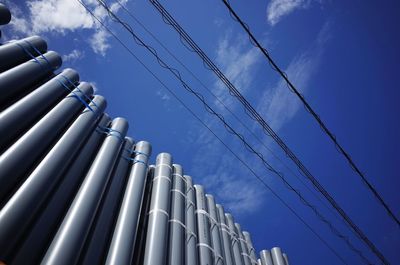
<point x="225" y="235"/>
<point x="25" y="204"/>
<point x="176" y="246"/>
<point x="43" y="230"/>
<point x="277" y="257"/>
<point x="67" y="244"/>
<point x="285" y="257"/>
<point x="24" y="113"/>
<point x="214" y="229"/>
<point x="191" y="233"/>
<point x="259" y="262"/>
<point x="236" y="251"/>
<point x="243" y="245"/>
<point x="157" y="231"/>
<point x="99" y="240"/>
<point x="15" y="81"/>
<point x="203" y="228"/>
<point x="250" y="247"/>
<point x="124" y="235"/>
<point x="17" y="160"/>
<point x="5" y="15"/>
<point x="12" y="54"/>
<point x="265" y="257"/>
<point x="140" y="243"/>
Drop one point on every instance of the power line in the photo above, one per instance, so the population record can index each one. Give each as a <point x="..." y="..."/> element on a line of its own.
<point x="219" y="139"/>
<point x="168" y="19"/>
<point x="229" y="128"/>
<point x="307" y="106"/>
<point x="224" y="105"/>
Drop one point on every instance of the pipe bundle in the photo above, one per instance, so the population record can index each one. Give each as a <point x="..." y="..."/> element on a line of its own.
<point x="75" y="189"/>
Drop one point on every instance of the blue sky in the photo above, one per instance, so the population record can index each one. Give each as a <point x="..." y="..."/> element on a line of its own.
<point x="343" y="55"/>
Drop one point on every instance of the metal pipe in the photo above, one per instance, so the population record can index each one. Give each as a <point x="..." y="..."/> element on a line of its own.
<point x="236" y="251"/>
<point x="124" y="236"/>
<point x="18" y="213"/>
<point x="42" y="231"/>
<point x="243" y="245"/>
<point x="285" y="257"/>
<point x="259" y="262"/>
<point x="176" y="244"/>
<point x="250" y="247"/>
<point x="225" y="235"/>
<point x="17" y="160"/>
<point x="277" y="257"/>
<point x="191" y="233"/>
<point x="157" y="231"/>
<point x="265" y="257"/>
<point x="12" y="54"/>
<point x="24" y="113"/>
<point x="68" y="242"/>
<point x="99" y="240"/>
<point x="5" y="15"/>
<point x="203" y="228"/>
<point x="214" y="229"/>
<point x="14" y="82"/>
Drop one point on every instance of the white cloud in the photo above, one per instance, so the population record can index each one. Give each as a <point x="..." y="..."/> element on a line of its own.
<point x="73" y="56"/>
<point x="63" y="17"/>
<point x="279" y="8"/>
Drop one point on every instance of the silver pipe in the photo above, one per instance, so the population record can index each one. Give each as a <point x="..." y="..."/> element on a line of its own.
<point x="16" y="81"/>
<point x="24" y="113"/>
<point x="191" y="233"/>
<point x="157" y="231"/>
<point x="204" y="247"/>
<point x="265" y="257"/>
<point x="259" y="262"/>
<point x="18" y="213"/>
<point x="225" y="235"/>
<point x="124" y="236"/>
<point x="250" y="247"/>
<point x="42" y="231"/>
<point x="12" y="54"/>
<point x="17" y="160"/>
<point x="277" y="257"/>
<point x="214" y="230"/>
<point x="285" y="257"/>
<point x="243" y="245"/>
<point x="67" y="244"/>
<point x="177" y="231"/>
<point x="236" y="251"/>
<point x="98" y="243"/>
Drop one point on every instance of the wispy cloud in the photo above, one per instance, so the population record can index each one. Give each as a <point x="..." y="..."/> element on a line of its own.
<point x="277" y="9"/>
<point x="62" y="17"/>
<point x="73" y="56"/>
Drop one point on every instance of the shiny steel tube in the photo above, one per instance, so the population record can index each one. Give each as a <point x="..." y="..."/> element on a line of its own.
<point x="225" y="236"/>
<point x="250" y="247"/>
<point x="43" y="229"/>
<point x="5" y="15"/>
<point x="265" y="257"/>
<point x="236" y="251"/>
<point x="277" y="257"/>
<point x="214" y="230"/>
<point x="157" y="230"/>
<point x="98" y="243"/>
<point x="124" y="235"/>
<point x="203" y="228"/>
<point x="176" y="245"/>
<point x="67" y="244"/>
<point x="243" y="245"/>
<point x="12" y="54"/>
<point x="17" y="160"/>
<point x="20" y="116"/>
<point x="15" y="81"/>
<point x="20" y="210"/>
<point x="191" y="233"/>
<point x="285" y="257"/>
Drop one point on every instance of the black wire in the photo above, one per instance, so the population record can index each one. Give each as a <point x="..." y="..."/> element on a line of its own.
<point x="168" y="19"/>
<point x="224" y="105"/>
<point x="229" y="128"/>
<point x="219" y="139"/>
<point x="307" y="106"/>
